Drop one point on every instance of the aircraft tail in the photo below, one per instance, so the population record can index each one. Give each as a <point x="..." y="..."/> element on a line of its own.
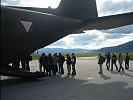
<point x="78" y="9"/>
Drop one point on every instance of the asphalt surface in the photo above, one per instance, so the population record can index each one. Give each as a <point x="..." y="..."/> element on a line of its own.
<point x="86" y="85"/>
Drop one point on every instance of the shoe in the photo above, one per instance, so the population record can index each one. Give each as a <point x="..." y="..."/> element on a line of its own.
<point x="61" y="73"/>
<point x="54" y="74"/>
<point x="71" y="74"/>
<point x="99" y="72"/>
<point x="74" y="73"/>
<point x="49" y="75"/>
<point x="68" y="73"/>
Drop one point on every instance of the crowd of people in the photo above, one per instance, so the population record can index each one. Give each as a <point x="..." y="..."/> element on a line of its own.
<point x="54" y="64"/>
<point x="112" y="60"/>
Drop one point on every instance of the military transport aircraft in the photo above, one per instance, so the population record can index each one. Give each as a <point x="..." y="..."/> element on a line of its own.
<point x="26" y="29"/>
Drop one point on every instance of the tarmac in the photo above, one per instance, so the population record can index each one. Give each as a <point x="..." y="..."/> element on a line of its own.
<point x="86" y="85"/>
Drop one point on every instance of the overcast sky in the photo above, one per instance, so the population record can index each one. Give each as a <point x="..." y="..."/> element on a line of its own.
<point x="90" y="39"/>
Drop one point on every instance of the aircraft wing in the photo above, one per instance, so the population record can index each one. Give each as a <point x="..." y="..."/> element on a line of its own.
<point x="108" y="22"/>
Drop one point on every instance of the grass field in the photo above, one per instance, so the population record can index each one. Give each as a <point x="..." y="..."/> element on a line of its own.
<point x="35" y="56"/>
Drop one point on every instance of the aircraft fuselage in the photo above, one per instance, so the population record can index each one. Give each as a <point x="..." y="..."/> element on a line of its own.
<point x="27" y="31"/>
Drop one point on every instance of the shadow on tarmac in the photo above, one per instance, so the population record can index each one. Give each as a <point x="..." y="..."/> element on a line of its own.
<point x="66" y="88"/>
<point x="121" y="73"/>
<point x="130" y="70"/>
<point x="104" y="77"/>
<point x="16" y="81"/>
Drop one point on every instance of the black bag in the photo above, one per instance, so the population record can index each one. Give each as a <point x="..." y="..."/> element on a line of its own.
<point x="103" y="59"/>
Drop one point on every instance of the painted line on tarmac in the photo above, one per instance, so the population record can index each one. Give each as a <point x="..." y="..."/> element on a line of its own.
<point x="90" y="78"/>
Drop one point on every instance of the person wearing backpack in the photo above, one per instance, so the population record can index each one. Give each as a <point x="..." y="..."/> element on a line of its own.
<point x="100" y="62"/>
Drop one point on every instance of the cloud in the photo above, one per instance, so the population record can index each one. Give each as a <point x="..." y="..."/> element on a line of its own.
<point x="59" y="43"/>
<point x="84" y="39"/>
<point x="13" y="2"/>
<point x="124" y="29"/>
<point x="32" y="3"/>
<point x="93" y="40"/>
<point x="110" y="7"/>
<point x="108" y="40"/>
<point x="114" y="36"/>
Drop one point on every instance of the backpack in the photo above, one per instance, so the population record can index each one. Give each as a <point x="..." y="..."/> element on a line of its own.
<point x="103" y="59"/>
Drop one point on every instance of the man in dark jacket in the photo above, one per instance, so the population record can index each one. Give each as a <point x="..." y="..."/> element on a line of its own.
<point x="73" y="62"/>
<point x="108" y="60"/>
<point x="61" y="60"/>
<point x="43" y="63"/>
<point x="55" y="59"/>
<point x="68" y="62"/>
<point x="23" y="62"/>
<point x="50" y="63"/>
<point x="113" y="61"/>
<point x="16" y="64"/>
<point x="28" y="58"/>
<point x="127" y="61"/>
